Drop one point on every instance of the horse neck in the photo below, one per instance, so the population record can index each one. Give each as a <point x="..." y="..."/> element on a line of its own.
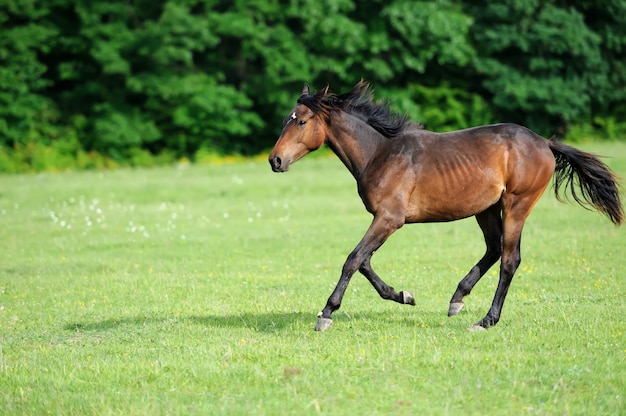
<point x="353" y="141"/>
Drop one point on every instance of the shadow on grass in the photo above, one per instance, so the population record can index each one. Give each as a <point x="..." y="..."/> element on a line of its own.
<point x="265" y="322"/>
<point x="270" y="321"/>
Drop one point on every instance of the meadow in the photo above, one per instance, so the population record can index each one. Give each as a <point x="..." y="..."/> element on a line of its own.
<point x="193" y="290"/>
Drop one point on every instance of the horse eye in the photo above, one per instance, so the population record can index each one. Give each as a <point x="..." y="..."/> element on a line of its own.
<point x="302" y="122"/>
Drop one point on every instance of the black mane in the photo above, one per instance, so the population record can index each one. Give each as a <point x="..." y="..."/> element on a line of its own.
<point x="359" y="102"/>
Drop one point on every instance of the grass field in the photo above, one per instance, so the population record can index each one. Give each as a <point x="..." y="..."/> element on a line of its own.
<point x="194" y="291"/>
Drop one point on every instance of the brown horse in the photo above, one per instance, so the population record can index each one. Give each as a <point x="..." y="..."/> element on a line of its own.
<point x="406" y="174"/>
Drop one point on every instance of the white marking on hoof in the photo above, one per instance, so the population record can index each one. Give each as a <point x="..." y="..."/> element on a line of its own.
<point x="407" y="298"/>
<point x="455" y="307"/>
<point x="323" y="323"/>
<point x="476" y="328"/>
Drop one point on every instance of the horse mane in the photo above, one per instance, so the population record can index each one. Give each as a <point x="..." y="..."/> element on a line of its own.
<point x="359" y="102"/>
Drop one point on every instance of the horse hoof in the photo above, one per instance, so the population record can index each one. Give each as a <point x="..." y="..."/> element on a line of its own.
<point x="323" y="323"/>
<point x="455" y="307"/>
<point x="476" y="328"/>
<point x="407" y="298"/>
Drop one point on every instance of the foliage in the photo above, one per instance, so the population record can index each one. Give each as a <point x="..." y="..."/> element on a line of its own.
<point x="443" y="106"/>
<point x="170" y="77"/>
<point x="193" y="290"/>
<point x="550" y="74"/>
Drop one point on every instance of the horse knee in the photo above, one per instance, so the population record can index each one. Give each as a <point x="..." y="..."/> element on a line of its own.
<point x="353" y="263"/>
<point x="365" y="266"/>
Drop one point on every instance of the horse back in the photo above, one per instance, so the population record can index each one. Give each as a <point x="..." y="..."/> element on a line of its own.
<point x="448" y="176"/>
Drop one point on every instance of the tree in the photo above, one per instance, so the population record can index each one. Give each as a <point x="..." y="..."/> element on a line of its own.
<point x="94" y="77"/>
<point x="25" y="113"/>
<point x="539" y="62"/>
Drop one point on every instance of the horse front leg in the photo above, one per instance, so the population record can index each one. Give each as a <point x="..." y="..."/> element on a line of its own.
<point x="381" y="228"/>
<point x="384" y="290"/>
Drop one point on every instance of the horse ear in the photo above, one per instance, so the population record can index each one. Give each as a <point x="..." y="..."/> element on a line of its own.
<point x="305" y="89"/>
<point x="324" y="91"/>
<point x="319" y="95"/>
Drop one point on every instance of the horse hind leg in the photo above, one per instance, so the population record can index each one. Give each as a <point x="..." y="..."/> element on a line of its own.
<point x="515" y="211"/>
<point x="384" y="290"/>
<point x="490" y="222"/>
<point x="511" y="259"/>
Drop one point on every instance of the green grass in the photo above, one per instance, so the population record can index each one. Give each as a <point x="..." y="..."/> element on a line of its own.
<point x="194" y="290"/>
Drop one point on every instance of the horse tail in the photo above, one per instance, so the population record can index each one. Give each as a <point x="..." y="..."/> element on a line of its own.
<point x="598" y="184"/>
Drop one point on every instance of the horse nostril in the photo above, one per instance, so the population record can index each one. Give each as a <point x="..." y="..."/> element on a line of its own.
<point x="275" y="162"/>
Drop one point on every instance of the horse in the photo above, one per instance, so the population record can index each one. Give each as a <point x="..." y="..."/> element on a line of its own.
<point x="406" y="174"/>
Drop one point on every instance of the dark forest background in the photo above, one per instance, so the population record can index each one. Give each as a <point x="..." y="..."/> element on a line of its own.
<point x="92" y="83"/>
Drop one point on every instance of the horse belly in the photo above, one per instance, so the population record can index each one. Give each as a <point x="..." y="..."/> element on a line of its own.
<point x="451" y="201"/>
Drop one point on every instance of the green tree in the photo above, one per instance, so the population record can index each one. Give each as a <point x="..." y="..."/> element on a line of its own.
<point x="539" y="62"/>
<point x="26" y="114"/>
<point x="132" y="78"/>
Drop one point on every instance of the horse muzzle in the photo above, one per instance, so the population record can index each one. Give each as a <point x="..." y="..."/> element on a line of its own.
<point x="277" y="164"/>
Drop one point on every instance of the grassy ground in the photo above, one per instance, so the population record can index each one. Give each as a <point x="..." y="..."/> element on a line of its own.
<point x="194" y="290"/>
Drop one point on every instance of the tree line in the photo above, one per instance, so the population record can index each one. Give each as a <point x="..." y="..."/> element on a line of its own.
<point x="86" y="83"/>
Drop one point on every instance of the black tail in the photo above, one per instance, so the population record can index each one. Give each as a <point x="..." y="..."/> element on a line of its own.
<point x="598" y="184"/>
